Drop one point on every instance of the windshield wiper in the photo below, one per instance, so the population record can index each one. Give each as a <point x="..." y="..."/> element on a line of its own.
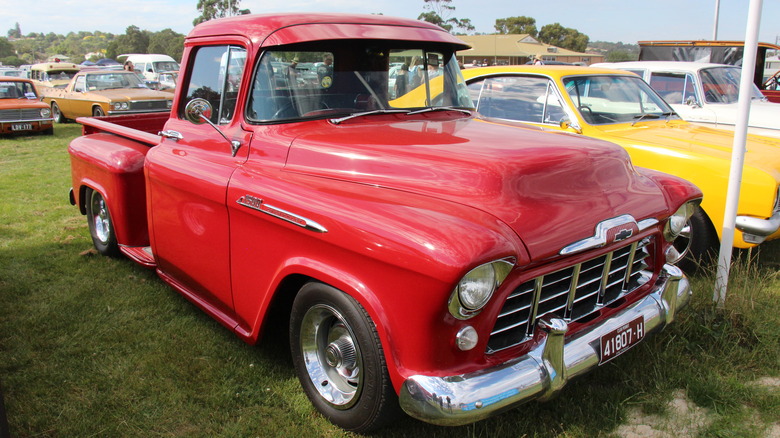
<point x="367" y="113"/>
<point x="640" y="117"/>
<point x="439" y="108"/>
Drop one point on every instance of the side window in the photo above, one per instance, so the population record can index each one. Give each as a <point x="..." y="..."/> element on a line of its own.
<point x="518" y="98"/>
<point x="81" y="84"/>
<point x="216" y="77"/>
<point x="673" y="87"/>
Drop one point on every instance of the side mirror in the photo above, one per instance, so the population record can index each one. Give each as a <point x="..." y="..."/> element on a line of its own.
<point x="566" y="124"/>
<point x="198" y="111"/>
<point x="691" y="101"/>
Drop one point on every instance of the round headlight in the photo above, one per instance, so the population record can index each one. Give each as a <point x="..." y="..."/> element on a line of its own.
<point x="45" y="112"/>
<point x="169" y="103"/>
<point x="476" y="287"/>
<point x="117" y="106"/>
<point x="677" y="222"/>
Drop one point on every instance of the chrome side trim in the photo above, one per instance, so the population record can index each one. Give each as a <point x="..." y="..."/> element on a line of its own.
<point x="540" y="374"/>
<point x="258" y="204"/>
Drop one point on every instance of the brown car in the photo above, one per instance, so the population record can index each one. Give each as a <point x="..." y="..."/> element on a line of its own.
<point x="21" y="111"/>
<point x="105" y="92"/>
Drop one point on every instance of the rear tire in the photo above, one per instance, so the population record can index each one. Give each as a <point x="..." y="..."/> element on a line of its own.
<point x="101" y="227"/>
<point x="56" y="113"/>
<point x="339" y="359"/>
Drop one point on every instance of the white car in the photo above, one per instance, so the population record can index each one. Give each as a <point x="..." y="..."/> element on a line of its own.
<point x="705" y="93"/>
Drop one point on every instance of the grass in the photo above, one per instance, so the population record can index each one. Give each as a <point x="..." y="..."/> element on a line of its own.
<point x="99" y="347"/>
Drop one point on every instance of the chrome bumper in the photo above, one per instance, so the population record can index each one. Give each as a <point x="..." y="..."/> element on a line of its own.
<point x="466" y="398"/>
<point x="755" y="230"/>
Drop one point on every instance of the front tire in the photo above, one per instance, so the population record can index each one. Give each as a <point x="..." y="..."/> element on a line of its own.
<point x="339" y="359"/>
<point x="101" y="227"/>
<point x="98" y="112"/>
<point x="698" y="242"/>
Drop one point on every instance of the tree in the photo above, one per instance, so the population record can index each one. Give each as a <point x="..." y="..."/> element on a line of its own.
<point x="559" y="36"/>
<point x="16" y="32"/>
<point x="167" y="42"/>
<point x="211" y="9"/>
<point x="620" y="56"/>
<point x="6" y="48"/>
<point x="516" y="25"/>
<point x="438" y="12"/>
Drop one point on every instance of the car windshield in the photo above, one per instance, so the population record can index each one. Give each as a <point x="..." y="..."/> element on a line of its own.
<point x="16" y="90"/>
<point x="615" y="99"/>
<point x="165" y="66"/>
<point x="109" y="81"/>
<point x="721" y="85"/>
<point x="355" y="78"/>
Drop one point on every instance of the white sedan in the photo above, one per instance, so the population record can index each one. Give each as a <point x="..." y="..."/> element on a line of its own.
<point x="705" y="93"/>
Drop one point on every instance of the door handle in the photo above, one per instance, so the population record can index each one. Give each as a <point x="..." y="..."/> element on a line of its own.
<point x="173" y="135"/>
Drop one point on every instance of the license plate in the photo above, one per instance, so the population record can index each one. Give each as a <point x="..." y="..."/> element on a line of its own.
<point x="621" y="339"/>
<point x="21" y="127"/>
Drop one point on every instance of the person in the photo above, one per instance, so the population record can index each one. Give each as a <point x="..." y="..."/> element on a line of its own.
<point x="538" y="59"/>
<point x="292" y="72"/>
<point x="401" y="80"/>
<point x="325" y="71"/>
<point x="415" y="73"/>
<point x="129" y="66"/>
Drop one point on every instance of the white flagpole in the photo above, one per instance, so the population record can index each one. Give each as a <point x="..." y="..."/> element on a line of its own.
<point x="738" y="150"/>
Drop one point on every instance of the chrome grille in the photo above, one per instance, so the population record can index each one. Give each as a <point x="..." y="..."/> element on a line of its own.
<point x="571" y="293"/>
<point x="141" y="105"/>
<point x="20" y="114"/>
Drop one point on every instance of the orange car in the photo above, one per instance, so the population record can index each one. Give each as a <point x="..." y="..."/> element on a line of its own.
<point x="21" y="111"/>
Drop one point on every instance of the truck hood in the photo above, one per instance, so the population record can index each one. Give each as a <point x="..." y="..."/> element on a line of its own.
<point x="552" y="189"/>
<point x="762" y="152"/>
<point x="762" y="114"/>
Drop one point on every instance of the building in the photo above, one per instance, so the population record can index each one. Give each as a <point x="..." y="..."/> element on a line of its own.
<point x="514" y="49"/>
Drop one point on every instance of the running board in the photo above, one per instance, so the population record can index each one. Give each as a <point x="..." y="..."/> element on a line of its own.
<point x="139" y="254"/>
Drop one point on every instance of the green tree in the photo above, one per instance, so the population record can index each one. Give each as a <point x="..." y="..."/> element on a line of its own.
<point x="438" y="12"/>
<point x="516" y="25"/>
<point x="167" y="42"/>
<point x="620" y="56"/>
<point x="16" y="32"/>
<point x="6" y="48"/>
<point x="211" y="9"/>
<point x="564" y="37"/>
<point x="134" y="40"/>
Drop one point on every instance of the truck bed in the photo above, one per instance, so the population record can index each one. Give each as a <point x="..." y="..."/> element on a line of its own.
<point x="139" y="127"/>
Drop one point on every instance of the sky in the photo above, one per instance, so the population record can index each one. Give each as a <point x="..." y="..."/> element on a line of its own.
<point x="602" y="20"/>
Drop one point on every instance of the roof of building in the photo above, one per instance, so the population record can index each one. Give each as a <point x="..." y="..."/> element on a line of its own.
<point x="512" y="45"/>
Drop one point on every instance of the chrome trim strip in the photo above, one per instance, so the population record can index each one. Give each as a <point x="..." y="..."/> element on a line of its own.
<point x="599" y="237"/>
<point x="259" y="205"/>
<point x="540" y="374"/>
<point x="27" y="121"/>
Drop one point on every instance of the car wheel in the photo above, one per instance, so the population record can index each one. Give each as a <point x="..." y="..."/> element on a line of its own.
<point x="56" y="113"/>
<point x="697" y="243"/>
<point x="98" y="112"/>
<point x="339" y="359"/>
<point x="48" y="131"/>
<point x="101" y="227"/>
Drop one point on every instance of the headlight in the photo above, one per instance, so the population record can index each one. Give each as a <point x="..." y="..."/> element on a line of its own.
<point x="45" y="112"/>
<point x="474" y="290"/>
<point x="120" y="106"/>
<point x="169" y="103"/>
<point x="677" y="221"/>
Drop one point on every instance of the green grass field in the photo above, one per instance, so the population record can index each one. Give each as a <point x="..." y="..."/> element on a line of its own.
<point x="99" y="347"/>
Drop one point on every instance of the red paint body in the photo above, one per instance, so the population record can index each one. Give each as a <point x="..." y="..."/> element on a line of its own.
<point x="410" y="202"/>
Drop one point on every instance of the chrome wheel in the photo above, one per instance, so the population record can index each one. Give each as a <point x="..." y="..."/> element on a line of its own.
<point x="56" y="113"/>
<point x="332" y="356"/>
<point x="683" y="242"/>
<point x="100" y="217"/>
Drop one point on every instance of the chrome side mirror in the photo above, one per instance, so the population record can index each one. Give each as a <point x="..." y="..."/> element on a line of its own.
<point x="691" y="101"/>
<point x="198" y="111"/>
<point x="566" y="124"/>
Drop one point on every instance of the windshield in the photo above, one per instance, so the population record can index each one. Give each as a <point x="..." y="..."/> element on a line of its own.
<point x="16" y="90"/>
<point x="108" y="81"/>
<point x="721" y="85"/>
<point x="165" y="66"/>
<point x="615" y="99"/>
<point x="354" y="77"/>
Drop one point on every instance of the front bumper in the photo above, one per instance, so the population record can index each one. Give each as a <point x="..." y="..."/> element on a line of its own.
<point x="755" y="230"/>
<point x="466" y="398"/>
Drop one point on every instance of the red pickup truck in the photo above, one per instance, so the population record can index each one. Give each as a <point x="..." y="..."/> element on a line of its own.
<point x="427" y="259"/>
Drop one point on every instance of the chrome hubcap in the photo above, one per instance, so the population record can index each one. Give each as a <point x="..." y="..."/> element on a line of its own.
<point x="100" y="217"/>
<point x="331" y="356"/>
<point x="683" y="242"/>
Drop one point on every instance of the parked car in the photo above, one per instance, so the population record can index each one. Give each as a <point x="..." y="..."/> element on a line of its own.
<point x="21" y="111"/>
<point x="54" y="74"/>
<point x="150" y="65"/>
<point x="15" y="72"/>
<point x="620" y="107"/>
<point x="105" y="92"/>
<point x="705" y="93"/>
<point x="416" y="256"/>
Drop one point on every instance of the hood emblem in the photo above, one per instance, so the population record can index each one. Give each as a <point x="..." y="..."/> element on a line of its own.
<point x="258" y="204"/>
<point x="609" y="231"/>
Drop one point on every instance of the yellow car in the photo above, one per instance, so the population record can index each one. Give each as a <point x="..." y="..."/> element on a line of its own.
<point x="105" y="92"/>
<point x="620" y="107"/>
